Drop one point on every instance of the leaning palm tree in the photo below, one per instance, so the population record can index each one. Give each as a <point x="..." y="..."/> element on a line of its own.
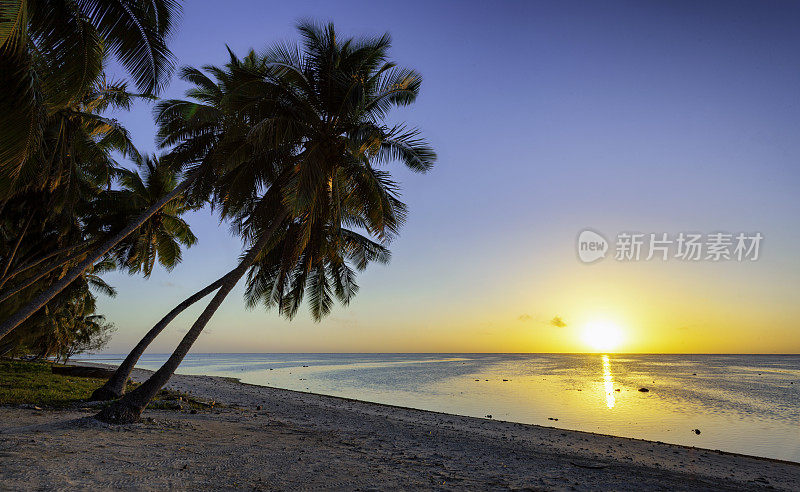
<point x="204" y="136"/>
<point x="196" y="127"/>
<point x="302" y="138"/>
<point x="158" y="240"/>
<point x="90" y="259"/>
<point x="50" y="52"/>
<point x="68" y="319"/>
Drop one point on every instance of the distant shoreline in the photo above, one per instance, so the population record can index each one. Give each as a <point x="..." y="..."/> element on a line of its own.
<point x="123" y="354"/>
<point x="333" y="442"/>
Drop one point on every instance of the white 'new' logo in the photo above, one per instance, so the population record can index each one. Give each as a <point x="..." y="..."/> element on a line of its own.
<point x="591" y="246"/>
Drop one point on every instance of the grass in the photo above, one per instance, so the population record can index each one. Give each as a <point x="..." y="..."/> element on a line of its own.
<point x="33" y="383"/>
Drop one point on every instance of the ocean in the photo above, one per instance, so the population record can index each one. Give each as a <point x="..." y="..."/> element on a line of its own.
<point x="747" y="404"/>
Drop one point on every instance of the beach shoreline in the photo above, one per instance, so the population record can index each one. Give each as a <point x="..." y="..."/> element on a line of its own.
<point x="267" y="438"/>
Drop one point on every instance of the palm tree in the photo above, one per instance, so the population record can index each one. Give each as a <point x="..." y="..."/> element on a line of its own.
<point x="159" y="239"/>
<point x="58" y="190"/>
<point x="301" y="137"/>
<point x="161" y="236"/>
<point x="90" y="259"/>
<point x="68" y="321"/>
<point x="50" y="53"/>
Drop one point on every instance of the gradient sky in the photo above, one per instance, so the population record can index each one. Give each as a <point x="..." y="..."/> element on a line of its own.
<point x="548" y="118"/>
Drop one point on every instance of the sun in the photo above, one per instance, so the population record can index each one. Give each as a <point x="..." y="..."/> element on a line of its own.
<point x="602" y="336"/>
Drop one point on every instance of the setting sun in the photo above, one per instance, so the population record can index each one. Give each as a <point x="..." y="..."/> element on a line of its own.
<point x="602" y="336"/>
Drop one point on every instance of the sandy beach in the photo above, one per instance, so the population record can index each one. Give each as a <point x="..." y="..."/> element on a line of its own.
<point x="265" y="438"/>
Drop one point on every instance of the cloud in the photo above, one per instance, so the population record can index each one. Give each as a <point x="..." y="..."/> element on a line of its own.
<point x="524" y="317"/>
<point x="558" y="322"/>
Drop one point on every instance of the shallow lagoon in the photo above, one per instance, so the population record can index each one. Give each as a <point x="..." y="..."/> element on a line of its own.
<point x="746" y="404"/>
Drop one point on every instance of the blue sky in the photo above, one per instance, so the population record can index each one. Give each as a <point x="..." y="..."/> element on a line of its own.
<point x="548" y="117"/>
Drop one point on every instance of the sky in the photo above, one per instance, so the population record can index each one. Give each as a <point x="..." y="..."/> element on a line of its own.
<point x="548" y="118"/>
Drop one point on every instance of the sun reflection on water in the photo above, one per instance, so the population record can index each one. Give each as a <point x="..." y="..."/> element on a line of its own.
<point x="608" y="383"/>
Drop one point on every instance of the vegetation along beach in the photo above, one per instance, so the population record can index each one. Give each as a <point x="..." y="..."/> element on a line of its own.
<point x="363" y="245"/>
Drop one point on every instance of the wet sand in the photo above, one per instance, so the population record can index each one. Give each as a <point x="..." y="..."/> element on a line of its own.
<point x="301" y="440"/>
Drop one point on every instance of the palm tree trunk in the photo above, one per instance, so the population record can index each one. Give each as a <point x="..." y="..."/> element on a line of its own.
<point x="13" y="252"/>
<point x="7" y="347"/>
<point x="129" y="408"/>
<point x="43" y="298"/>
<point x="27" y="283"/>
<point x="28" y="266"/>
<point x="115" y="386"/>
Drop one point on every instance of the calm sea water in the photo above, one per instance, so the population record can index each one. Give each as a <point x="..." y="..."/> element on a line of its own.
<point x="740" y="403"/>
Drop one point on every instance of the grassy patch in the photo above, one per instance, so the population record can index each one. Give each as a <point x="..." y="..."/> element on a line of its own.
<point x="34" y="383"/>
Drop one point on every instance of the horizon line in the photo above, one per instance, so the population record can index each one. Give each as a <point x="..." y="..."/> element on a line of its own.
<point x="466" y="353"/>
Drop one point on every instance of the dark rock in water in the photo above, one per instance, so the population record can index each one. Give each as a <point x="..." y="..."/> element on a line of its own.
<point x="305" y="366"/>
<point x="489" y="416"/>
<point x="644" y="390"/>
<point x="477" y="380"/>
<point x="694" y="374"/>
<point x="696" y="431"/>
<point x="617" y="389"/>
<point x="552" y="418"/>
<point x="505" y="380"/>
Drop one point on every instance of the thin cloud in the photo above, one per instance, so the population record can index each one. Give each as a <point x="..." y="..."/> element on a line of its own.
<point x="524" y="317"/>
<point x="558" y="322"/>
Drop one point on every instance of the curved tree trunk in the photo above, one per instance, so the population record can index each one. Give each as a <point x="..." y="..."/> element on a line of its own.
<point x="13" y="253"/>
<point x="129" y="408"/>
<point x="7" y="347"/>
<point x="115" y="386"/>
<point x="27" y="283"/>
<point x="43" y="298"/>
<point x="28" y="266"/>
